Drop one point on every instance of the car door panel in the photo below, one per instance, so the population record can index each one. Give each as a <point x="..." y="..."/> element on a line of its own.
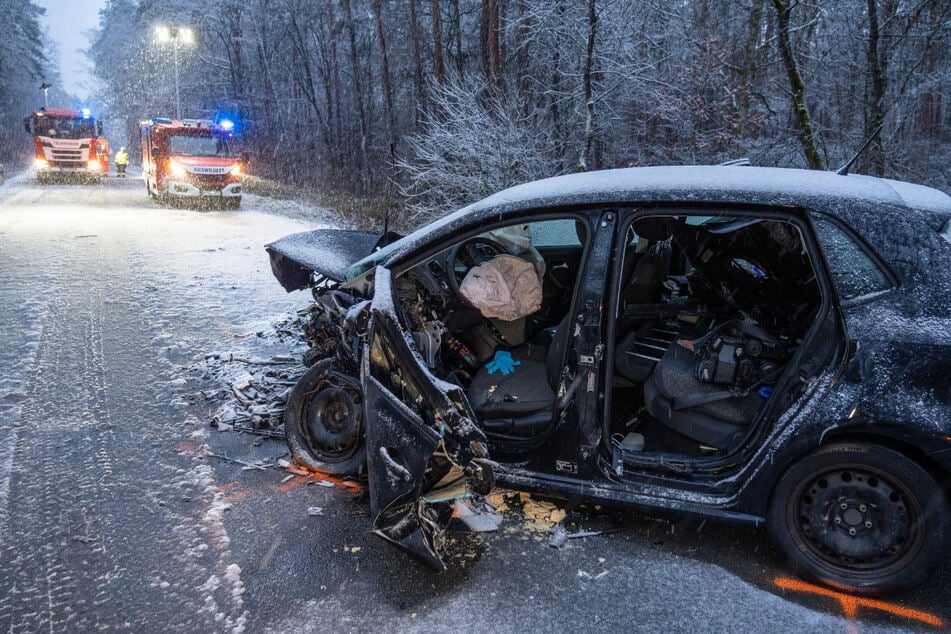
<point x="423" y="448"/>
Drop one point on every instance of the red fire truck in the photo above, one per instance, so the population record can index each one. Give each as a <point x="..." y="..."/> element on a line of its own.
<point x="68" y="145"/>
<point x="191" y="160"/>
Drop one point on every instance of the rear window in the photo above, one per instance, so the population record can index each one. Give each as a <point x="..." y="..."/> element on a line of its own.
<point x="854" y="271"/>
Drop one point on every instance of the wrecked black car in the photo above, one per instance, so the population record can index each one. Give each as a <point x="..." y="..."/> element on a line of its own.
<point x="751" y="345"/>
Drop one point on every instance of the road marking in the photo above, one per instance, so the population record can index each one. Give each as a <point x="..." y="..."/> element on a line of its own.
<point x="851" y="604"/>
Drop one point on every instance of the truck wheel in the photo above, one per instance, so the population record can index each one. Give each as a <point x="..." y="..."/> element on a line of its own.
<point x="861" y="518"/>
<point x="323" y="421"/>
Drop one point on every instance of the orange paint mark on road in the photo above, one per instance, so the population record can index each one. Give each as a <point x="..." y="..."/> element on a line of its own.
<point x="312" y="475"/>
<point x="237" y="496"/>
<point x="187" y="447"/>
<point x="850" y="604"/>
<point x="290" y="485"/>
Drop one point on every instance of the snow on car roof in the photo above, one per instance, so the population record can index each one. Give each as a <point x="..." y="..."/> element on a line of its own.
<point x="714" y="183"/>
<point x="814" y="189"/>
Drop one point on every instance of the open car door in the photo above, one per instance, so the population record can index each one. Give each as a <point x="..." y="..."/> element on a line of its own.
<point x="424" y="449"/>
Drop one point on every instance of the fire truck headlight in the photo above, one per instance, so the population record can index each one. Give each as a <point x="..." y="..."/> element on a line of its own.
<point x="176" y="169"/>
<point x="236" y="170"/>
<point x="41" y="164"/>
<point x="93" y="166"/>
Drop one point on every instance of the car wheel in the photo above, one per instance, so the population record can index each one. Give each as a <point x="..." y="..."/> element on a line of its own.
<point x="861" y="518"/>
<point x="323" y="420"/>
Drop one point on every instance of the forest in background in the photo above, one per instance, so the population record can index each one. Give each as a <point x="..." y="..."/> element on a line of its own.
<point x="436" y="103"/>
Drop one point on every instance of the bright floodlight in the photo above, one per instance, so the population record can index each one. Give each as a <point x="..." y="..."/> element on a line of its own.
<point x="163" y="33"/>
<point x="226" y="124"/>
<point x="186" y="35"/>
<point x="86" y="113"/>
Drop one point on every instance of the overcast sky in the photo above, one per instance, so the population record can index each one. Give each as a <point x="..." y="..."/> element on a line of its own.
<point x="67" y="22"/>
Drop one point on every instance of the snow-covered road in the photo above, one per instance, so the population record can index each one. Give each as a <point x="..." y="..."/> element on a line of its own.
<point x="113" y="516"/>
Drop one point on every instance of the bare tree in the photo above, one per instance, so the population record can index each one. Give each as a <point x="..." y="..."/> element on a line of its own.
<point x="797" y="86"/>
<point x="588" y="93"/>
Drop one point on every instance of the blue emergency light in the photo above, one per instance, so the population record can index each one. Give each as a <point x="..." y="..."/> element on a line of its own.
<point x="226" y="124"/>
<point x="86" y="113"/>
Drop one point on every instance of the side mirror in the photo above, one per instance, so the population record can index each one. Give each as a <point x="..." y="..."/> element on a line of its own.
<point x="245" y="158"/>
<point x="27" y="126"/>
<point x="99" y="128"/>
<point x="156" y="153"/>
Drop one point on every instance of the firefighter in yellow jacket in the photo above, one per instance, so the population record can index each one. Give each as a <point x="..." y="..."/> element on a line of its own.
<point x="121" y="161"/>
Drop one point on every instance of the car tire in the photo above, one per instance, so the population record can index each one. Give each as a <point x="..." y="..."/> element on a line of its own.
<point x="861" y="518"/>
<point x="323" y="421"/>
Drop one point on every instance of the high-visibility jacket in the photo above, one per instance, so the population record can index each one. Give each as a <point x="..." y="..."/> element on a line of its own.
<point x="121" y="158"/>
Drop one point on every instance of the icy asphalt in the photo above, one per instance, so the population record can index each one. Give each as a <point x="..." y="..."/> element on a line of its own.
<point x="121" y="509"/>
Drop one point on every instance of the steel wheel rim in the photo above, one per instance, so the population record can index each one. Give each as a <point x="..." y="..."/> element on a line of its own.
<point x="856" y="519"/>
<point x="333" y="423"/>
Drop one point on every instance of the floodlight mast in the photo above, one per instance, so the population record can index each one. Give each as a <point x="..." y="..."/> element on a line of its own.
<point x="175" y="35"/>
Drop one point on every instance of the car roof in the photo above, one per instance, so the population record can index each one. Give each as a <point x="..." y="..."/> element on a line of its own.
<point x="719" y="183"/>
<point x="840" y="195"/>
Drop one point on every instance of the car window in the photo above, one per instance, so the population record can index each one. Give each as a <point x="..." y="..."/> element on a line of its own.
<point x="854" y="272"/>
<point x="555" y="233"/>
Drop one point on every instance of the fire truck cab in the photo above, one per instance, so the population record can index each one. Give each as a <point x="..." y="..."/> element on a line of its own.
<point x="67" y="145"/>
<point x="191" y="160"/>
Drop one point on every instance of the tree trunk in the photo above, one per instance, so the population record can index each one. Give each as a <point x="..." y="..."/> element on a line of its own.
<point x="439" y="69"/>
<point x="335" y="70"/>
<point x="750" y="47"/>
<point x="800" y="108"/>
<point x="358" y="93"/>
<point x="877" y="78"/>
<point x="417" y="60"/>
<point x="385" y="79"/>
<point x="588" y="92"/>
<point x="490" y="46"/>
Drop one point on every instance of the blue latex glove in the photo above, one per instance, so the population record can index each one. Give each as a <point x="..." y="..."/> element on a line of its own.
<point x="503" y="362"/>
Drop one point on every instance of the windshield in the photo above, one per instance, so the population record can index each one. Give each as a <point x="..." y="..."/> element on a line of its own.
<point x="199" y="146"/>
<point x="66" y="127"/>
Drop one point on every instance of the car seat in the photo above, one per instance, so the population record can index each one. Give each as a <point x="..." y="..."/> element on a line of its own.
<point x="521" y="403"/>
<point x="705" y="412"/>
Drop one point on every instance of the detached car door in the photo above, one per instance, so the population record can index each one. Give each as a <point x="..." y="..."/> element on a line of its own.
<point x="424" y="449"/>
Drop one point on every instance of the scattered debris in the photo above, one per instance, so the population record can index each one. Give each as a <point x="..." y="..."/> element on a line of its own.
<point x="560" y="535"/>
<point x="477" y="515"/>
<point x="245" y="466"/>
<point x="250" y="386"/>
<point x="315" y="510"/>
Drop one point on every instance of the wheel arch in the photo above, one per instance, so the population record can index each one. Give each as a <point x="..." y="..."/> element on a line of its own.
<point x="904" y="445"/>
<point x="896" y="437"/>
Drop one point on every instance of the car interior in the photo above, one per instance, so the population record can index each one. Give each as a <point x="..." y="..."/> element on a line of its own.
<point x="709" y="312"/>
<point x="510" y="369"/>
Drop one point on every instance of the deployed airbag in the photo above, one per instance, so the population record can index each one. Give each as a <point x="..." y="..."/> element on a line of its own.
<point x="505" y="287"/>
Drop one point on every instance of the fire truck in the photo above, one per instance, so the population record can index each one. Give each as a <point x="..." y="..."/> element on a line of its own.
<point x="191" y="160"/>
<point x="68" y="145"/>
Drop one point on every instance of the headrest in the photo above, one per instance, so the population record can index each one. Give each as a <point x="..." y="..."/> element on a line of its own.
<point x="654" y="228"/>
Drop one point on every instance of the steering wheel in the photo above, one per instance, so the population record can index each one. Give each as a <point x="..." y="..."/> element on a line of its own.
<point x="467" y="254"/>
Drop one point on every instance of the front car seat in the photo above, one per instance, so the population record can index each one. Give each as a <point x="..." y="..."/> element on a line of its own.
<point x="521" y="402"/>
